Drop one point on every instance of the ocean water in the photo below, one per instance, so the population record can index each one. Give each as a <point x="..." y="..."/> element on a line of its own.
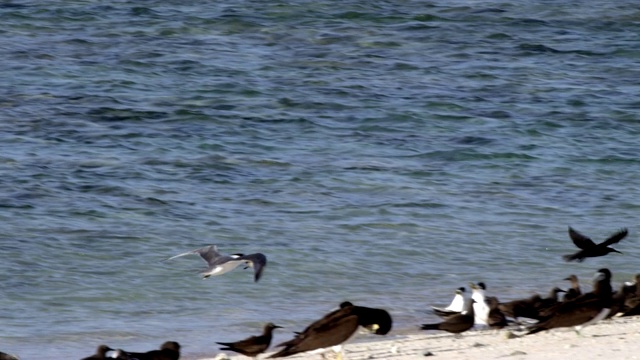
<point x="382" y="152"/>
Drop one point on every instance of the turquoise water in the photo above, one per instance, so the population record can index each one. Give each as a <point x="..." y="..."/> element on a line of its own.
<point x="380" y="152"/>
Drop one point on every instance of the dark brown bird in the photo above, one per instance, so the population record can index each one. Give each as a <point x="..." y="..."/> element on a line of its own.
<point x="457" y="323"/>
<point x="101" y="353"/>
<point x="496" y="319"/>
<point x="590" y="249"/>
<point x="574" y="291"/>
<point x="582" y="311"/>
<point x="532" y="307"/>
<point x="254" y="345"/>
<point x="5" y="356"/>
<point x="170" y="350"/>
<point x="335" y="328"/>
<point x="632" y="300"/>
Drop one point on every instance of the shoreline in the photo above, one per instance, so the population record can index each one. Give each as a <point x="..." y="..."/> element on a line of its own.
<point x="618" y="338"/>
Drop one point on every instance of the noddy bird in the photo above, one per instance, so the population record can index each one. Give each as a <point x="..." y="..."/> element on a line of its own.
<point x="496" y="319"/>
<point x="101" y="353"/>
<point x="169" y="350"/>
<point x="254" y="345"/>
<point x="584" y="310"/>
<point x="590" y="249"/>
<point x="220" y="264"/>
<point x="574" y="291"/>
<point x="5" y="356"/>
<point x="457" y="323"/>
<point x="335" y="328"/>
<point x="457" y="305"/>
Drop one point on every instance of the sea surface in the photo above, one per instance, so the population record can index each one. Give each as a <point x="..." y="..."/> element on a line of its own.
<point x="381" y="152"/>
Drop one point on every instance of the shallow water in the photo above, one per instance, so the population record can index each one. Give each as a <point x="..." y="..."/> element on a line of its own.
<point x="383" y="153"/>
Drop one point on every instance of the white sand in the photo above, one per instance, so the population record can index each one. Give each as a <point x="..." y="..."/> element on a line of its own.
<point x="612" y="339"/>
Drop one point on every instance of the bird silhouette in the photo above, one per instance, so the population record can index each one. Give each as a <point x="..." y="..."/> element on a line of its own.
<point x="170" y="350"/>
<point x="590" y="249"/>
<point x="254" y="345"/>
<point x="335" y="328"/>
<point x="101" y="353"/>
<point x="457" y="323"/>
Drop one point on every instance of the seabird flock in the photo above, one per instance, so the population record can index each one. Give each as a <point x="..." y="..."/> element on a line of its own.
<point x="529" y="315"/>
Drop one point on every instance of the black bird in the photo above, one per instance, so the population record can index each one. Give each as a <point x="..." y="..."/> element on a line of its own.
<point x="591" y="249"/>
<point x="496" y="319"/>
<point x="335" y="328"/>
<point x="5" y="356"/>
<point x="582" y="311"/>
<point x="101" y="353"/>
<point x="457" y="305"/>
<point x="457" y="323"/>
<point x="632" y="300"/>
<point x="220" y="264"/>
<point x="254" y="345"/>
<point x="574" y="291"/>
<point x="170" y="350"/>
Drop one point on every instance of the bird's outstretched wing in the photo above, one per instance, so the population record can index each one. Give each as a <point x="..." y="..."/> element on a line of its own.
<point x="207" y="253"/>
<point x="258" y="262"/>
<point x="621" y="234"/>
<point x="581" y="241"/>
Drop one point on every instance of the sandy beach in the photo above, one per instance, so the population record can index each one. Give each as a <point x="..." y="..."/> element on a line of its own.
<point x="617" y="338"/>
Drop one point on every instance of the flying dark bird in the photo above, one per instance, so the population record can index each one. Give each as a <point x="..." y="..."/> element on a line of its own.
<point x="5" y="356"/>
<point x="254" y="345"/>
<point x="220" y="264"/>
<point x="335" y="328"/>
<point x="574" y="291"/>
<point x="457" y="305"/>
<point x="170" y="350"/>
<point x="591" y="249"/>
<point x="584" y="310"/>
<point x="457" y="323"/>
<point x="101" y="353"/>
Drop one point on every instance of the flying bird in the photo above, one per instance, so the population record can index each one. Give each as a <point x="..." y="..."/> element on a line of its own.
<point x="254" y="345"/>
<point x="457" y="323"/>
<point x="101" y="353"/>
<point x="457" y="305"/>
<point x="584" y="310"/>
<point x="220" y="264"/>
<point x="170" y="350"/>
<point x="590" y="249"/>
<point x="335" y="328"/>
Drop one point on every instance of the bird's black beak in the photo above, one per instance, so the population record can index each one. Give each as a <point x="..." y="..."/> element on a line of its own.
<point x="277" y="327"/>
<point x="614" y="250"/>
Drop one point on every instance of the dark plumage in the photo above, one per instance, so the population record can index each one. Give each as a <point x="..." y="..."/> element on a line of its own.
<point x="496" y="320"/>
<point x="101" y="353"/>
<point x="591" y="249"/>
<point x="254" y="345"/>
<point x="457" y="323"/>
<point x="582" y="311"/>
<point x="170" y="350"/>
<point x="574" y="291"/>
<point x="632" y="300"/>
<point x="457" y="305"/>
<point x="5" y="356"/>
<point x="335" y="328"/>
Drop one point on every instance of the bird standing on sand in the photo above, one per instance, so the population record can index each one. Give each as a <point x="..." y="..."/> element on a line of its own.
<point x="480" y="307"/>
<point x="335" y="328"/>
<point x="220" y="264"/>
<point x="591" y="249"/>
<point x="101" y="353"/>
<point x="170" y="350"/>
<point x="574" y="291"/>
<point x="457" y="323"/>
<point x="457" y="305"/>
<point x="584" y="310"/>
<point x="254" y="345"/>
